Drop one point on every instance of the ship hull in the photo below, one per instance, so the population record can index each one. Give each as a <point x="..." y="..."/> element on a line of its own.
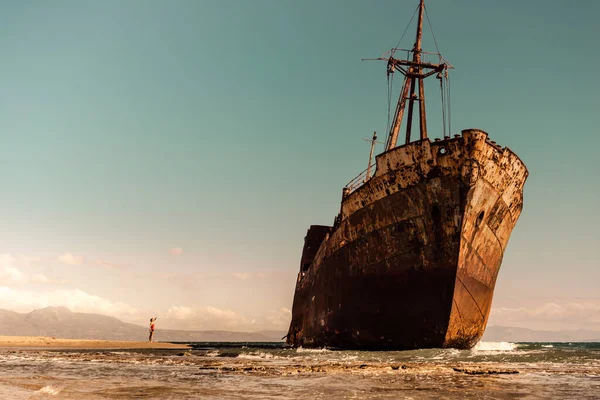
<point x="412" y="259"/>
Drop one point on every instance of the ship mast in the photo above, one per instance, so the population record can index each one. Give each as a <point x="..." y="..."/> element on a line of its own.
<point x="415" y="71"/>
<point x="413" y="78"/>
<point x="372" y="141"/>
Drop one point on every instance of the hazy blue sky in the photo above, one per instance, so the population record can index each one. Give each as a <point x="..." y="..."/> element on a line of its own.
<point x="167" y="157"/>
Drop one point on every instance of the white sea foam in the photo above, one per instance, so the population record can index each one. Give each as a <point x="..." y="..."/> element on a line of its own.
<point x="256" y="356"/>
<point x="349" y="357"/>
<point x="495" y="346"/>
<point x="547" y="345"/>
<point x="444" y="354"/>
<point x="120" y="353"/>
<point x="303" y="350"/>
<point x="49" y="390"/>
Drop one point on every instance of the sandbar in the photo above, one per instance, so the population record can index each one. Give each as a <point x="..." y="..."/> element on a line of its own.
<point x="57" y="343"/>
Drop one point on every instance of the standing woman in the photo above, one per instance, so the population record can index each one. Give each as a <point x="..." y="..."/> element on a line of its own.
<point x="151" y="329"/>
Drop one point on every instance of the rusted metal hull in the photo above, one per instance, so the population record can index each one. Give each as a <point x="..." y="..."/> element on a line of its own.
<point x="413" y="257"/>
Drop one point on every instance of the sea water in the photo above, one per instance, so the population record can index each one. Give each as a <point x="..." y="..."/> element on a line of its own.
<point x="270" y="371"/>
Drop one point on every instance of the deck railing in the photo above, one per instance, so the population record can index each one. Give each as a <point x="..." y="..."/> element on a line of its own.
<point x="359" y="180"/>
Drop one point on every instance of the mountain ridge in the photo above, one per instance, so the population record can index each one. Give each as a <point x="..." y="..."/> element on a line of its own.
<point x="60" y="322"/>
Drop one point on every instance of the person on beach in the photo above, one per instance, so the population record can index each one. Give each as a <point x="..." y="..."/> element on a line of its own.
<point x="151" y="329"/>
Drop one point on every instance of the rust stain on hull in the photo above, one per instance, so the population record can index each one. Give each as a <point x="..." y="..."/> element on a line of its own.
<point x="412" y="259"/>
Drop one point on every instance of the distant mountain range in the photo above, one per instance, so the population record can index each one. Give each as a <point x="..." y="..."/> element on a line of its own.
<point x="60" y="322"/>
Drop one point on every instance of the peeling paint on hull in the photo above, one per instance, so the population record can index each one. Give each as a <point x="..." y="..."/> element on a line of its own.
<point x="412" y="259"/>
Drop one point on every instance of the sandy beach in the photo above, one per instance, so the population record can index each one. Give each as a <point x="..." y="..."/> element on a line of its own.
<point x="51" y="342"/>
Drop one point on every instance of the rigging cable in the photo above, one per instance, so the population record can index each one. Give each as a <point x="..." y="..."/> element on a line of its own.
<point x="443" y="106"/>
<point x="449" y="114"/>
<point x="404" y="33"/>
<point x="431" y="29"/>
<point x="445" y="93"/>
<point x="391" y="84"/>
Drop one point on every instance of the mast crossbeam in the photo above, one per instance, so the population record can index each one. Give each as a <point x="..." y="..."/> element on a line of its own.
<point x="415" y="71"/>
<point x="408" y="63"/>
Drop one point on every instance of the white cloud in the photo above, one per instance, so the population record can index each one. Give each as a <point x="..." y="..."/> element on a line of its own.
<point x="70" y="259"/>
<point x="223" y="314"/>
<point x="110" y="265"/>
<point x="279" y="319"/>
<point x="242" y="275"/>
<point x="74" y="299"/>
<point x="28" y="260"/>
<point x="210" y="317"/>
<point x="202" y="318"/>
<point x="176" y="251"/>
<point x="10" y="275"/>
<point x="180" y="312"/>
<point x="7" y="259"/>
<point x="40" y="278"/>
<point x="550" y="315"/>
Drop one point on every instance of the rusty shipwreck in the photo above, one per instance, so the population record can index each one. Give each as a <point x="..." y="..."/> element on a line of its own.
<point x="412" y="258"/>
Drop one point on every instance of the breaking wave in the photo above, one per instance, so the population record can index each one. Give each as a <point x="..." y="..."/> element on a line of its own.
<point x="256" y="356"/>
<point x="49" y="390"/>
<point x="495" y="346"/>
<point x="303" y="350"/>
<point x="269" y="371"/>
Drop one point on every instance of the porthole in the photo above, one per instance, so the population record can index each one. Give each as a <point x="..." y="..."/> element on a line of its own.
<point x="443" y="151"/>
<point x="435" y="213"/>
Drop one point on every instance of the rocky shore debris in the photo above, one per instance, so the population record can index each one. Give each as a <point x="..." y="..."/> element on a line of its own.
<point x="484" y="371"/>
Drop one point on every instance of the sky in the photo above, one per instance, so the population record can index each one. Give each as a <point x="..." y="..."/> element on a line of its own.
<point x="167" y="157"/>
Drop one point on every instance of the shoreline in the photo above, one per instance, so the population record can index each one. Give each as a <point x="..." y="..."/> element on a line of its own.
<point x="11" y="342"/>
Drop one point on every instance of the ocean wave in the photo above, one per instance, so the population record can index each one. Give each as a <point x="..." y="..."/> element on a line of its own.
<point x="257" y="356"/>
<point x="303" y="350"/>
<point x="445" y="354"/>
<point x="349" y="357"/>
<point x="51" y="390"/>
<point x="495" y="346"/>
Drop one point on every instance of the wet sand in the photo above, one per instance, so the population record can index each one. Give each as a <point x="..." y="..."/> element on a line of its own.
<point x="41" y="342"/>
